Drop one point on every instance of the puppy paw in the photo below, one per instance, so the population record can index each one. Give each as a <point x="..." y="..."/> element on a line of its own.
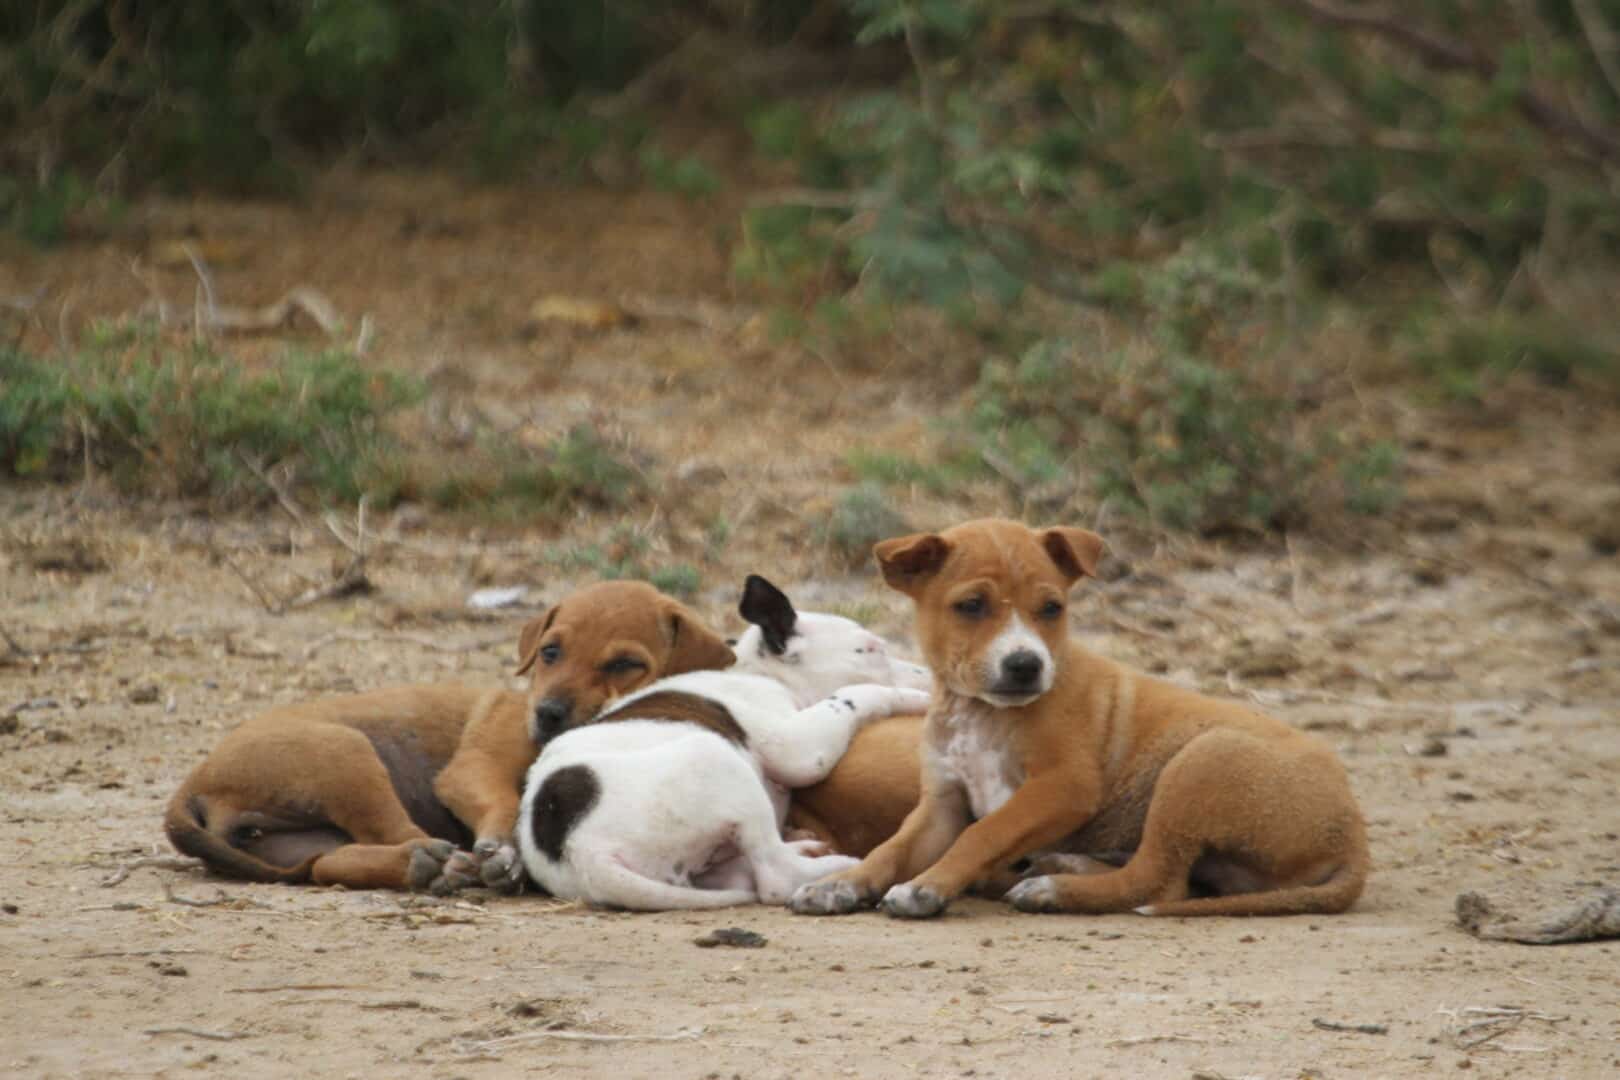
<point x="908" y="901"/>
<point x="1035" y="894"/>
<point x="428" y="863"/>
<point x="827" y="898"/>
<point x="907" y="701"/>
<point x="499" y="867"/>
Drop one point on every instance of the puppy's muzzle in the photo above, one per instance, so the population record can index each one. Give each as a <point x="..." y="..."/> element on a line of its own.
<point x="550" y="719"/>
<point x="1020" y="674"/>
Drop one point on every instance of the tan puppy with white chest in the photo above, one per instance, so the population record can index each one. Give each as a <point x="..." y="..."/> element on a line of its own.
<point x="1036" y="747"/>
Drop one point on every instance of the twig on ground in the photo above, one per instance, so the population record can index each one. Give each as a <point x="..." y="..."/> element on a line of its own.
<point x="283" y="497"/>
<point x="120" y="953"/>
<point x="161" y="862"/>
<point x="297" y="986"/>
<point x="264" y="599"/>
<point x="684" y="1035"/>
<point x="1360" y="1029"/>
<point x="1142" y="1040"/>
<point x="199" y="324"/>
<point x="199" y="1033"/>
<point x="220" y="897"/>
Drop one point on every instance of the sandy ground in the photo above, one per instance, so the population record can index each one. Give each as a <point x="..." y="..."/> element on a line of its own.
<point x="1466" y="666"/>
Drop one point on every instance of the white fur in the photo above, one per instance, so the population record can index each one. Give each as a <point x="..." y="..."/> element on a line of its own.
<point x="970" y="743"/>
<point x="686" y="818"/>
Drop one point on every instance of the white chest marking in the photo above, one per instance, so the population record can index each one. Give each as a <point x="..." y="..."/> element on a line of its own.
<point x="970" y="743"/>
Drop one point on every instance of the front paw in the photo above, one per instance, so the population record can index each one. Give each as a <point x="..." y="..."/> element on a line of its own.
<point x="499" y="867"/>
<point x="433" y="868"/>
<point x="908" y="901"/>
<point x="1037" y="894"/>
<point x="828" y="897"/>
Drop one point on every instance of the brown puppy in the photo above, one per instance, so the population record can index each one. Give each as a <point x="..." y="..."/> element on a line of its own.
<point x="377" y="790"/>
<point x="1035" y="746"/>
<point x="868" y="794"/>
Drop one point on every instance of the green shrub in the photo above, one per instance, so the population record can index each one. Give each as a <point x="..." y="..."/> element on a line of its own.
<point x="862" y="517"/>
<point x="1465" y="359"/>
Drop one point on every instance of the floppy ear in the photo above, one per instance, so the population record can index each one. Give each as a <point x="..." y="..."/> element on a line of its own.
<point x="908" y="561"/>
<point x="529" y="640"/>
<point x="768" y="608"/>
<point x="1075" y="551"/>
<point x="692" y="645"/>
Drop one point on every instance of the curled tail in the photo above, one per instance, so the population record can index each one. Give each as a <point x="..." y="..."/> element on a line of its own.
<point x="192" y="833"/>
<point x="1336" y="894"/>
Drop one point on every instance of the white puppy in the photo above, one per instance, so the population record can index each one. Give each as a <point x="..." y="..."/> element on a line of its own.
<point x="674" y="796"/>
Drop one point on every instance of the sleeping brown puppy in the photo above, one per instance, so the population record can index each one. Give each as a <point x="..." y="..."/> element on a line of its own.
<point x="379" y="790"/>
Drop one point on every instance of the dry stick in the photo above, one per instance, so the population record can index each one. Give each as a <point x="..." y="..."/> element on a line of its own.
<point x="197" y="323"/>
<point x="216" y="1036"/>
<point x="1600" y="37"/>
<point x="136" y="952"/>
<point x="1140" y="1040"/>
<point x="685" y="1035"/>
<point x="298" y="986"/>
<point x="1361" y="1029"/>
<point x="278" y="490"/>
<point x="162" y="862"/>
<point x="269" y="605"/>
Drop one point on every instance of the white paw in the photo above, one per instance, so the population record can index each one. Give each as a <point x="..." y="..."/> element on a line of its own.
<point x="908" y="901"/>
<point x="1034" y="894"/>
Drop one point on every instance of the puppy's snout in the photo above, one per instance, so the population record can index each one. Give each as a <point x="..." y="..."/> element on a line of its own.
<point x="1021" y="670"/>
<point x="550" y="718"/>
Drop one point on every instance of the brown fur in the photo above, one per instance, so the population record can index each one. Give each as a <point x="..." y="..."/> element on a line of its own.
<point x="1203" y="791"/>
<point x="345" y="790"/>
<point x="677" y="707"/>
<point x="868" y="794"/>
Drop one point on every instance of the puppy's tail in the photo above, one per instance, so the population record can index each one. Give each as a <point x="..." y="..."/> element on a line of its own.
<point x="193" y="831"/>
<point x="1329" y="897"/>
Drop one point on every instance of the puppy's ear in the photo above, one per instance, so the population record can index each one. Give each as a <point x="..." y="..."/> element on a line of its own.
<point x="908" y="561"/>
<point x="1076" y="551"/>
<point x="529" y="640"/>
<point x="768" y="608"/>
<point x="692" y="645"/>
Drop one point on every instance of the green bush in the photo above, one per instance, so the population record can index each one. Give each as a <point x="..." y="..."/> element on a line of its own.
<point x="862" y="517"/>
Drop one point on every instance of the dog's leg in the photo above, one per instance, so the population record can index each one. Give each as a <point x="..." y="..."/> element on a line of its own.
<point x="1048" y="807"/>
<point x="482" y="785"/>
<point x="613" y="884"/>
<point x="926" y="833"/>
<point x="1222" y="793"/>
<point x="801" y="749"/>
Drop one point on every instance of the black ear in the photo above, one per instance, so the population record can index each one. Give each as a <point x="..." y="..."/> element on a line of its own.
<point x="768" y="608"/>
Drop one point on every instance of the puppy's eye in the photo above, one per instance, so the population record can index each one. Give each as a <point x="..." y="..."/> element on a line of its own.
<point x="551" y="653"/>
<point x="971" y="607"/>
<point x="622" y="665"/>
<point x="1049" y="610"/>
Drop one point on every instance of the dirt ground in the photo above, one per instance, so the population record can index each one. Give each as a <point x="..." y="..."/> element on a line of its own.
<point x="1465" y="663"/>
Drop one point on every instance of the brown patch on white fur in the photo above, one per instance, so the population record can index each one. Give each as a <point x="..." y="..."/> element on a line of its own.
<point x="678" y="707"/>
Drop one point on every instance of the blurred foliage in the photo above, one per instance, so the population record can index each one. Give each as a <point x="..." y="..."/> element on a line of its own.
<point x="193" y="421"/>
<point x="1209" y="174"/>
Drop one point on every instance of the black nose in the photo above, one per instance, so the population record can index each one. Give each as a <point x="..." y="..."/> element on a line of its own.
<point x="550" y="717"/>
<point x="1022" y="669"/>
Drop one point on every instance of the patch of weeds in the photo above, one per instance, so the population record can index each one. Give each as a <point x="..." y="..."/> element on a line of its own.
<point x="687" y="176"/>
<point x="680" y="579"/>
<point x="1464" y="361"/>
<point x="883" y="468"/>
<point x="578" y="468"/>
<point x="40" y="213"/>
<point x="862" y="517"/>
<point x="1372" y="478"/>
<point x="190" y="419"/>
<point x="1191" y="444"/>
<point x="623" y="556"/>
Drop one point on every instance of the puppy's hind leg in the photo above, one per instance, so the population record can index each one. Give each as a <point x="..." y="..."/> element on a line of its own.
<point x="608" y="881"/>
<point x="801" y="749"/>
